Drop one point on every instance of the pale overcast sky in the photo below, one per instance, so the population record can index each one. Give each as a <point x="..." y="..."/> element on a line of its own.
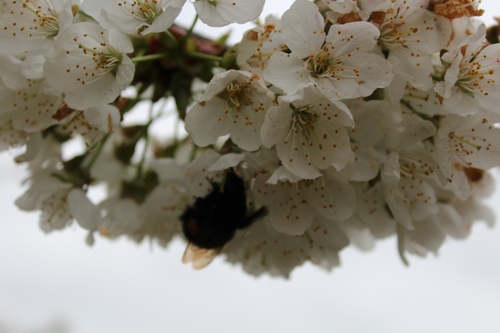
<point x="56" y="284"/>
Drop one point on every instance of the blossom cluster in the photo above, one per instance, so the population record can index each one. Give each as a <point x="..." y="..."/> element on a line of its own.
<point x="345" y="121"/>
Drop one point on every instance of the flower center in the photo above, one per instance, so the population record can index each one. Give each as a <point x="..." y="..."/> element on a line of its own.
<point x="143" y="10"/>
<point x="471" y="74"/>
<point x="106" y="59"/>
<point x="44" y="18"/>
<point x="320" y="64"/>
<point x="391" y="36"/>
<point x="303" y="121"/>
<point x="234" y="95"/>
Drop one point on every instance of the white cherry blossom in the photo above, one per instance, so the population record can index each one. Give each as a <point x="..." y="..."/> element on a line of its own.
<point x="89" y="65"/>
<point x="235" y="103"/>
<point x="10" y="137"/>
<point x="84" y="212"/>
<point x="373" y="120"/>
<point x="339" y="64"/>
<point x="121" y="217"/>
<point x="371" y="209"/>
<point x="32" y="25"/>
<point x="261" y="249"/>
<point x="157" y="216"/>
<point x="472" y="79"/>
<point x="409" y="189"/>
<point x="462" y="215"/>
<point x="136" y="16"/>
<point x="428" y="236"/>
<point x="409" y="173"/>
<point x="258" y="45"/>
<point x="457" y="218"/>
<point x="165" y="203"/>
<point x="309" y="132"/>
<point x="470" y="142"/>
<point x="92" y="123"/>
<point x="410" y="34"/>
<point x="31" y="103"/>
<point x="59" y="203"/>
<point x="218" y="13"/>
<point x="423" y="102"/>
<point x="294" y="204"/>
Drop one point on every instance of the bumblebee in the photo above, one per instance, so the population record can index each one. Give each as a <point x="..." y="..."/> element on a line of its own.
<point x="212" y="220"/>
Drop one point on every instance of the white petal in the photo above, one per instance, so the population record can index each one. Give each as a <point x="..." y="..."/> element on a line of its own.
<point x="303" y="28"/>
<point x="334" y="200"/>
<point x="287" y="72"/>
<point x="106" y="117"/>
<point x="83" y="210"/>
<point x="240" y="11"/>
<point x="207" y="121"/>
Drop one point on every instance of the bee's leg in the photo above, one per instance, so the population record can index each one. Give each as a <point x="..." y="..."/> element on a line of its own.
<point x="249" y="219"/>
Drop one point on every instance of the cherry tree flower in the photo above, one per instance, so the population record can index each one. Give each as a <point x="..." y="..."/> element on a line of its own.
<point x="218" y="13"/>
<point x="29" y="100"/>
<point x="59" y="203"/>
<point x="153" y="217"/>
<point x="10" y="137"/>
<point x="467" y="142"/>
<point x="410" y="174"/>
<point x="454" y="218"/>
<point x="92" y="123"/>
<point x="235" y="103"/>
<point x="294" y="203"/>
<point x="262" y="249"/>
<point x="339" y="64"/>
<point x="258" y="45"/>
<point x="32" y="25"/>
<point x="371" y="210"/>
<point x="137" y="16"/>
<point x="165" y="203"/>
<point x="309" y="132"/>
<point x="89" y="65"/>
<point x="423" y="102"/>
<point x="410" y="34"/>
<point x="428" y="236"/>
<point x="472" y="79"/>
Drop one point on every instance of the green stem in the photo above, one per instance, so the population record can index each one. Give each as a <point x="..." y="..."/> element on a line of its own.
<point x="140" y="166"/>
<point x="171" y="37"/>
<point x="190" y="31"/>
<point x="149" y="57"/>
<point x="193" y="152"/>
<point x="97" y="152"/>
<point x="203" y="56"/>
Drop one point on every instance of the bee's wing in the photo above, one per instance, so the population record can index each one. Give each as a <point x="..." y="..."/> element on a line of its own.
<point x="198" y="257"/>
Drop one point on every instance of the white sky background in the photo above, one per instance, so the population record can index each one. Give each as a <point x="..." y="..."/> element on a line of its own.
<point x="55" y="283"/>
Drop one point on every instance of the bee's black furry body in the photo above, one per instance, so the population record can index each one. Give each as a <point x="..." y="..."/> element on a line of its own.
<point x="212" y="220"/>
